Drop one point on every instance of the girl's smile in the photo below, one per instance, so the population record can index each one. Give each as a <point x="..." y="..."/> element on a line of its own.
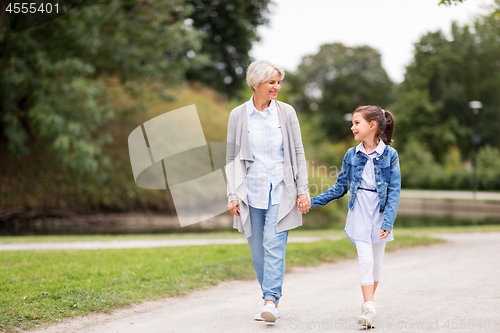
<point x="361" y="128"/>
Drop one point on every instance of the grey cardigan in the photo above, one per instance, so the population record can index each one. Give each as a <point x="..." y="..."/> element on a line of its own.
<point x="239" y="157"/>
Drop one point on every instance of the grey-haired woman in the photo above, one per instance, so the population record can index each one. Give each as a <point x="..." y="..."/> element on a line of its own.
<point x="266" y="174"/>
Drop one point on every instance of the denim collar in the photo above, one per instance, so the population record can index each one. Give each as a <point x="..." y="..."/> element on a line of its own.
<point x="380" y="148"/>
<point x="251" y="107"/>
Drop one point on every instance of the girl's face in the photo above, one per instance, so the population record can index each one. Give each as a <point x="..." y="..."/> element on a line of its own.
<point x="361" y="128"/>
<point x="269" y="90"/>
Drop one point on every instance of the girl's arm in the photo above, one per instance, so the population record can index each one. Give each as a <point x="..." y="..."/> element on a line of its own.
<point x="393" y="192"/>
<point x="337" y="191"/>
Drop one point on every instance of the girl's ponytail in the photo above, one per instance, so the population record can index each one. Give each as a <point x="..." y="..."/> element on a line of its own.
<point x="386" y="133"/>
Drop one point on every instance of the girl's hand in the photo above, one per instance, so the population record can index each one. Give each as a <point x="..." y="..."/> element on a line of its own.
<point x="234" y="207"/>
<point x="304" y="203"/>
<point x="383" y="234"/>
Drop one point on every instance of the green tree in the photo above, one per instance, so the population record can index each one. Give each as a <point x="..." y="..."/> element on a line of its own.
<point x="450" y="2"/>
<point x="230" y="28"/>
<point x="338" y="79"/>
<point x="432" y="102"/>
<point x="52" y="92"/>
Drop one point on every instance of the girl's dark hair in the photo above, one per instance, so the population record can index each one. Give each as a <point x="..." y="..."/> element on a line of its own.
<point x="384" y="119"/>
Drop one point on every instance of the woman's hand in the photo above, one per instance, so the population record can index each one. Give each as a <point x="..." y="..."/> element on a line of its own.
<point x="234" y="207"/>
<point x="304" y="203"/>
<point x="383" y="234"/>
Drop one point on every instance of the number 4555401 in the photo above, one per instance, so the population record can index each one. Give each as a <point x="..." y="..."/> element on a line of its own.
<point x="32" y="8"/>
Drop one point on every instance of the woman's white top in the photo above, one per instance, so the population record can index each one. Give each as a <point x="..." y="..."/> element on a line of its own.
<point x="266" y="141"/>
<point x="364" y="220"/>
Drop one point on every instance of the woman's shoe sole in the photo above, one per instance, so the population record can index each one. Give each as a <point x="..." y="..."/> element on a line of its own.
<point x="268" y="317"/>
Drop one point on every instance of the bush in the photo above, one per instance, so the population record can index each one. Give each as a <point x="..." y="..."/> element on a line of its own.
<point x="419" y="170"/>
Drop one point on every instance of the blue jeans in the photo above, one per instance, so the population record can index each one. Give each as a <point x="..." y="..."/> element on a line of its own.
<point x="268" y="250"/>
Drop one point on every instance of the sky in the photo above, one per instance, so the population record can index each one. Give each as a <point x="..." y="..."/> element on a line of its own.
<point x="299" y="27"/>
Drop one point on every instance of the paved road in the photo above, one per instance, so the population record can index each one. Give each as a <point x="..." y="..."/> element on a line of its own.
<point x="130" y="244"/>
<point x="457" y="195"/>
<point x="426" y="289"/>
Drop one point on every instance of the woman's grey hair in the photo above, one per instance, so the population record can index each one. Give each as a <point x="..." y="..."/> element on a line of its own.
<point x="261" y="71"/>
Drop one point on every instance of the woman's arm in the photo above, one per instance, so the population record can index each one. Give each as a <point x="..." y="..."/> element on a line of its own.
<point x="303" y="198"/>
<point x="232" y="198"/>
<point x="302" y="182"/>
<point x="337" y="191"/>
<point x="393" y="193"/>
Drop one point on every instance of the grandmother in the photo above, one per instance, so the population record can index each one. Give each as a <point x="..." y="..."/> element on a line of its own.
<point x="266" y="175"/>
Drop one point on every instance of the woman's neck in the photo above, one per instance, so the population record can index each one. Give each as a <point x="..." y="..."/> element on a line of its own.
<point x="370" y="144"/>
<point x="260" y="104"/>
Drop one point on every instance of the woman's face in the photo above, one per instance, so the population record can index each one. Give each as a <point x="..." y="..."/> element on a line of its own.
<point x="269" y="90"/>
<point x="361" y="128"/>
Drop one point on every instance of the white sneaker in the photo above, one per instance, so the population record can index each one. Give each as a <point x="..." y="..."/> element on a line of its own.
<point x="270" y="313"/>
<point x="366" y="318"/>
<point x="258" y="316"/>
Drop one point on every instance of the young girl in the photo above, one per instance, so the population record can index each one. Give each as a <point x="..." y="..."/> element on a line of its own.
<point x="370" y="171"/>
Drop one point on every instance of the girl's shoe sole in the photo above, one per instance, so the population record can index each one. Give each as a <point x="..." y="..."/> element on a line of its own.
<point x="365" y="323"/>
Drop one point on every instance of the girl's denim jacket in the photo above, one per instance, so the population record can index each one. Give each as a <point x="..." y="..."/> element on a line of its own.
<point x="387" y="177"/>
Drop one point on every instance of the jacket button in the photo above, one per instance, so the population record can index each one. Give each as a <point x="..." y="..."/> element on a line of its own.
<point x="379" y="183"/>
<point x="381" y="195"/>
<point x="377" y="158"/>
<point x="378" y="171"/>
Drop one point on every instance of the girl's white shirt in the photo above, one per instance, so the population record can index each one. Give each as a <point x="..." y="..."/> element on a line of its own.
<point x="364" y="220"/>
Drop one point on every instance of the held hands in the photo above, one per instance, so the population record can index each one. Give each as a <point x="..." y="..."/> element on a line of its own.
<point x="234" y="207"/>
<point x="304" y="203"/>
<point x="383" y="234"/>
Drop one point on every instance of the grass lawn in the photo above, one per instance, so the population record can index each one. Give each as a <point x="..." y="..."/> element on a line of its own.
<point x="39" y="287"/>
<point x="235" y="234"/>
<point x="109" y="237"/>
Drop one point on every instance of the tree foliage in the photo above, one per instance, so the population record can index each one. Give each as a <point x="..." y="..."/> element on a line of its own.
<point x="230" y="29"/>
<point x="52" y="91"/>
<point x="432" y="102"/>
<point x="450" y="2"/>
<point x="338" y="79"/>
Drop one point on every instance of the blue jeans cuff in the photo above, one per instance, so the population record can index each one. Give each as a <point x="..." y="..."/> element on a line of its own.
<point x="271" y="298"/>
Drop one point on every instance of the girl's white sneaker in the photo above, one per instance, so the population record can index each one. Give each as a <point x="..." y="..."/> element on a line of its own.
<point x="366" y="318"/>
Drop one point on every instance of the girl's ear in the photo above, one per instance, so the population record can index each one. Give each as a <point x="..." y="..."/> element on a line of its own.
<point x="373" y="124"/>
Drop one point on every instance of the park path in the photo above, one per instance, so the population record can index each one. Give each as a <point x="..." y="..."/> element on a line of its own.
<point x="147" y="243"/>
<point x="449" y="195"/>
<point x="424" y="289"/>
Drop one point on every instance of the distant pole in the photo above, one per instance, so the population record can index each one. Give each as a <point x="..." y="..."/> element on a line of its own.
<point x="476" y="140"/>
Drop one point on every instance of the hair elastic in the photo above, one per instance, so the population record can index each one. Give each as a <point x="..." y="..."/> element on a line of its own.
<point x="383" y="111"/>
